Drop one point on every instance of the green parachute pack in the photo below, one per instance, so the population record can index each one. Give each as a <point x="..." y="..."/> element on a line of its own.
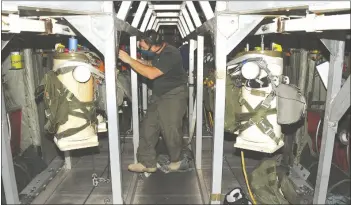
<point x="60" y="103"/>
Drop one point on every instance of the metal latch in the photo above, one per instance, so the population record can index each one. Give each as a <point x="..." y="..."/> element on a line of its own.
<point x="96" y="180"/>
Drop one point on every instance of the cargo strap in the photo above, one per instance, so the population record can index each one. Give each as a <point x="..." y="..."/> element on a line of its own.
<point x="64" y="70"/>
<point x="60" y="103"/>
<point x="258" y="117"/>
<point x="74" y="104"/>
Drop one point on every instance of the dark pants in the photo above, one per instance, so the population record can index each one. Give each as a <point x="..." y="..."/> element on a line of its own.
<point x="164" y="116"/>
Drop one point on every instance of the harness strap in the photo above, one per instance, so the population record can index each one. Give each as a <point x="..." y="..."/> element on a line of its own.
<point x="61" y="96"/>
<point x="64" y="70"/>
<point x="259" y="117"/>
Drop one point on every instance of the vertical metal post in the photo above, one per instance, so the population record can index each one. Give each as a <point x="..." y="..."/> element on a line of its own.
<point x="68" y="161"/>
<point x="135" y="110"/>
<point x="219" y="105"/>
<point x="191" y="81"/>
<point x="8" y="172"/>
<point x="336" y="49"/>
<point x="134" y="80"/>
<point x="144" y="86"/>
<point x="33" y="118"/>
<point x="199" y="100"/>
<point x="111" y="43"/>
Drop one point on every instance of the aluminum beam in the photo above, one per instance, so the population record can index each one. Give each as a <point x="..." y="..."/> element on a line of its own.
<point x="206" y="27"/>
<point x="135" y="100"/>
<point x="199" y="101"/>
<point x="139" y="13"/>
<point x="245" y="7"/>
<point x="168" y="19"/>
<point x="109" y="52"/>
<point x="123" y="10"/>
<point x="167" y="14"/>
<point x="341" y="102"/>
<point x="151" y="22"/>
<point x="226" y="38"/>
<point x="155" y="24"/>
<point x="165" y="7"/>
<point x="329" y="127"/>
<point x="7" y="170"/>
<point x="144" y="86"/>
<point x="218" y="138"/>
<point x="185" y="26"/>
<point x="166" y="24"/>
<point x="182" y="27"/>
<point x="192" y="46"/>
<point x="64" y="7"/>
<point x="134" y="81"/>
<point x="243" y="23"/>
<point x="180" y="31"/>
<point x="207" y="10"/>
<point x="193" y="13"/>
<point x="146" y="20"/>
<point x="14" y="24"/>
<point x="184" y="12"/>
<point x="311" y="23"/>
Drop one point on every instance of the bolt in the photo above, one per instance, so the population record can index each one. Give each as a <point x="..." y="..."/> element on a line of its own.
<point x="232" y="21"/>
<point x="332" y="124"/>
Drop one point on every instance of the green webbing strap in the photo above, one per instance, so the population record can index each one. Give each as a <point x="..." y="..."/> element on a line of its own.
<point x="259" y="119"/>
<point x="64" y="70"/>
<point x="246" y="116"/>
<point x="72" y="102"/>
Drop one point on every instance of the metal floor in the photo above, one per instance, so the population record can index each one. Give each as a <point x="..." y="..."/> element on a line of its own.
<point x="75" y="186"/>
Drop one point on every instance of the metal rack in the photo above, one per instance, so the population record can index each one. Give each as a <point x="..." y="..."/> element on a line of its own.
<point x="230" y="23"/>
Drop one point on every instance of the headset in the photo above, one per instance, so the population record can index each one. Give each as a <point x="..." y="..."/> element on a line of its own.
<point x="152" y="37"/>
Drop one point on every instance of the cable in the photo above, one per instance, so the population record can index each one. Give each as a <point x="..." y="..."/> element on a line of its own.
<point x="337" y="184"/>
<point x="348" y="156"/>
<point x="316" y="136"/>
<point x="246" y="180"/>
<point x="91" y="191"/>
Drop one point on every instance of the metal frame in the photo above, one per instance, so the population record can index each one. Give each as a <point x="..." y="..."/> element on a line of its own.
<point x="330" y="124"/>
<point x="226" y="39"/>
<point x="192" y="47"/>
<point x="7" y="169"/>
<point x="311" y="23"/>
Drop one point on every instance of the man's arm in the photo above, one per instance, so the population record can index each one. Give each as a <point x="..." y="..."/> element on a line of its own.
<point x="145" y="62"/>
<point x="147" y="71"/>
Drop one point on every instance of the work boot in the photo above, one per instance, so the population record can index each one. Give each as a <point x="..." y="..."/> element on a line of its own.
<point x="181" y="166"/>
<point x="141" y="168"/>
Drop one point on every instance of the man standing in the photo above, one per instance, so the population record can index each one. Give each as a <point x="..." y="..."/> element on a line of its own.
<point x="168" y="103"/>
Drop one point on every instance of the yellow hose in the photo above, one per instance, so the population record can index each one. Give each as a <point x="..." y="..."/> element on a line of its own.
<point x="246" y="180"/>
<point x="211" y="120"/>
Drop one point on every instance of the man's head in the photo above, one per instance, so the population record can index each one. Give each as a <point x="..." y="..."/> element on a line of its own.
<point x="150" y="42"/>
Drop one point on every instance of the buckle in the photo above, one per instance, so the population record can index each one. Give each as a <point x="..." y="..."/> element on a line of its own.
<point x="270" y="132"/>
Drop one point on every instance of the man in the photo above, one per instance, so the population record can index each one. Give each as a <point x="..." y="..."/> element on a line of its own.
<point x="168" y="103"/>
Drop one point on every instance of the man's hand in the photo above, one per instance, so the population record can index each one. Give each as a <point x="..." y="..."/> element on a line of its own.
<point x="124" y="56"/>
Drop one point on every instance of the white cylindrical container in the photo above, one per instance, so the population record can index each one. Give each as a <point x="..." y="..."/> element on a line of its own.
<point x="253" y="138"/>
<point x="84" y="92"/>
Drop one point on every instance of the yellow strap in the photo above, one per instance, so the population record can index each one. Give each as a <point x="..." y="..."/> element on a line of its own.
<point x="216" y="197"/>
